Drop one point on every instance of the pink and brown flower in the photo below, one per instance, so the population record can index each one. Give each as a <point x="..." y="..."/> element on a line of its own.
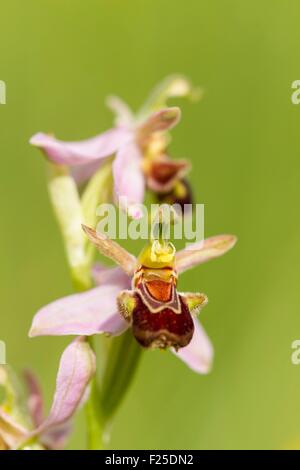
<point x="141" y="294"/>
<point x="137" y="142"/>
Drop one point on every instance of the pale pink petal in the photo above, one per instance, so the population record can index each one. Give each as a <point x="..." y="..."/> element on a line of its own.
<point x="159" y="121"/>
<point x="56" y="437"/>
<point x="198" y="355"/>
<point x="82" y="173"/>
<point x="203" y="251"/>
<point x="77" y="367"/>
<point x="35" y="399"/>
<point x="107" y="275"/>
<point x="129" y="183"/>
<point x="87" y="313"/>
<point x="81" y="152"/>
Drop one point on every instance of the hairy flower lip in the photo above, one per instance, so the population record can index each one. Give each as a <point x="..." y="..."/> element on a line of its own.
<point x="163" y="329"/>
<point x="161" y="339"/>
<point x="163" y="173"/>
<point x="197" y="355"/>
<point x="57" y="318"/>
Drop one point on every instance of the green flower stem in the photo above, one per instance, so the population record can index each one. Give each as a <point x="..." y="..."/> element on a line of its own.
<point x="124" y="352"/>
<point x="121" y="365"/>
<point x="69" y="212"/>
<point x="94" y="415"/>
<point x="122" y="360"/>
<point x="94" y="419"/>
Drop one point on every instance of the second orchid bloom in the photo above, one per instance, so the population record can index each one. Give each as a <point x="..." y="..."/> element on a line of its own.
<point x="139" y="144"/>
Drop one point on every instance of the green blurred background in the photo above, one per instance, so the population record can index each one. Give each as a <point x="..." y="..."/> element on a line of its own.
<point x="59" y="59"/>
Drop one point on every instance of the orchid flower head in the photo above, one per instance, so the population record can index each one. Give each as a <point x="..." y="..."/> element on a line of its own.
<point x="140" y="294"/>
<point x="138" y="143"/>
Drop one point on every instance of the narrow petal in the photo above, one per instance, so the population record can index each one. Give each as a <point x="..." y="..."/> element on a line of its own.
<point x="112" y="250"/>
<point x="81" y="152"/>
<point x="203" y="251"/>
<point x="124" y="115"/>
<point x="159" y="121"/>
<point x="198" y="355"/>
<point x="88" y="313"/>
<point x="129" y="182"/>
<point x="35" y="399"/>
<point x="77" y="367"/>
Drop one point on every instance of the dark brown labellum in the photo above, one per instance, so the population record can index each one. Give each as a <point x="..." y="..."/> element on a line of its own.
<point x="163" y="171"/>
<point x="163" y="329"/>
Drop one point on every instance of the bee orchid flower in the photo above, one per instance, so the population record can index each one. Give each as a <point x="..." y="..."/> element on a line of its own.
<point x="140" y="293"/>
<point x="133" y="137"/>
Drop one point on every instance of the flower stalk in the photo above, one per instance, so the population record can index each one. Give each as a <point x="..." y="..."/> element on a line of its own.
<point x="71" y="211"/>
<point x="137" y="302"/>
<point x="126" y="352"/>
<point x="94" y="419"/>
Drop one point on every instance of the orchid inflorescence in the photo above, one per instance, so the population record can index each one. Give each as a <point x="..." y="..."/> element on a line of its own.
<point x="136" y="301"/>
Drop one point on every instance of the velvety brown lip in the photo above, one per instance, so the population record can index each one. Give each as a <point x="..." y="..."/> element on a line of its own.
<point x="163" y="329"/>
